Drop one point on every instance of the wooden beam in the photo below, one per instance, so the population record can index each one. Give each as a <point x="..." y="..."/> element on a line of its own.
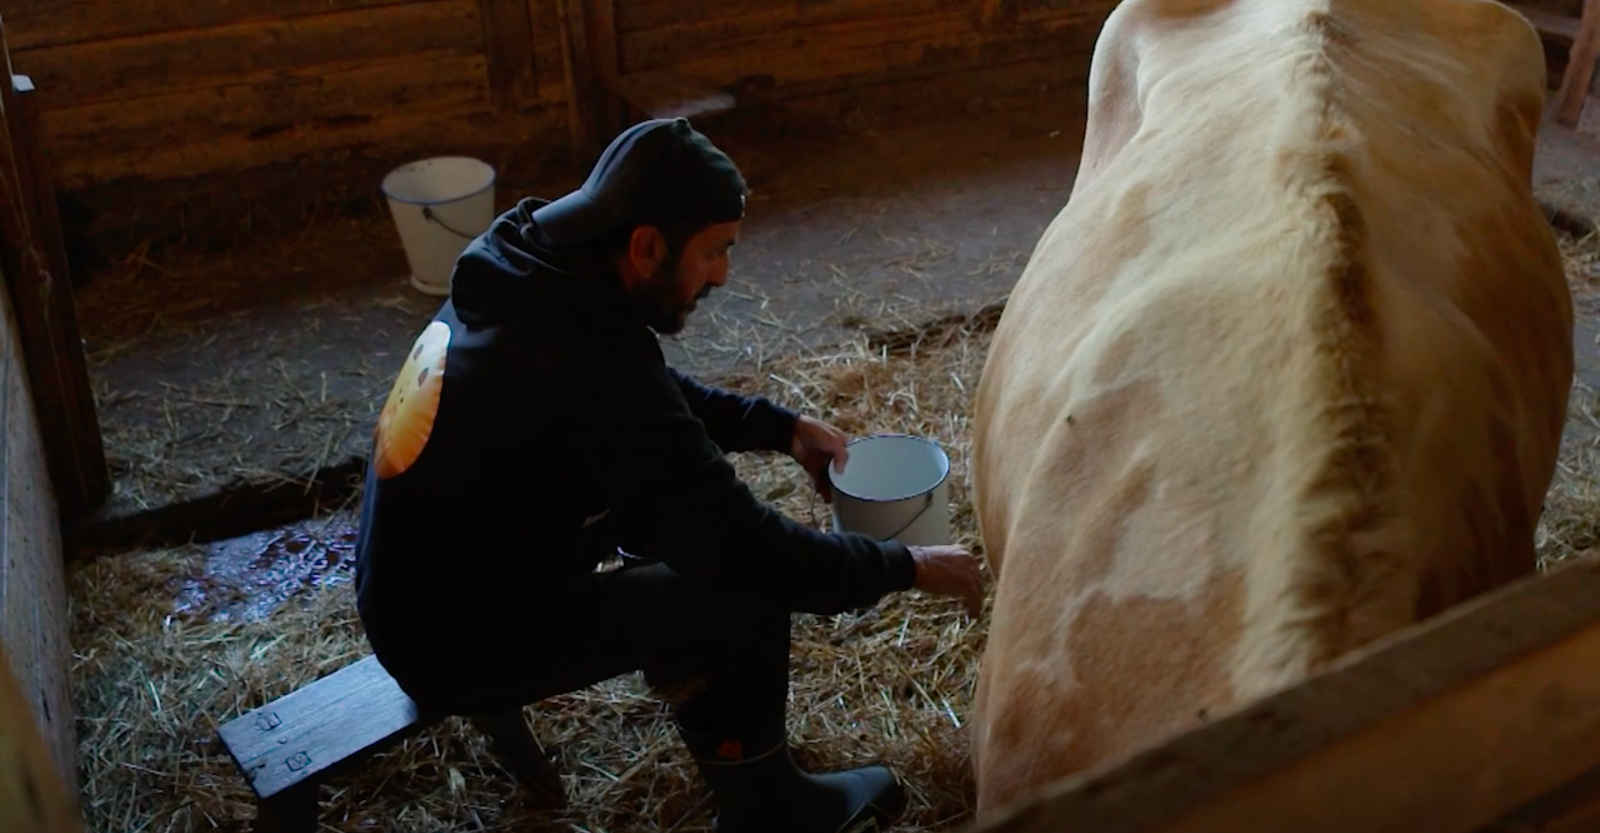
<point x="1445" y="727"/>
<point x="607" y="62"/>
<point x="866" y="46"/>
<point x="508" y="45"/>
<point x="1580" y="67"/>
<point x="580" y="85"/>
<point x="193" y="131"/>
<point x="208" y="58"/>
<point x="41" y="23"/>
<point x="37" y="276"/>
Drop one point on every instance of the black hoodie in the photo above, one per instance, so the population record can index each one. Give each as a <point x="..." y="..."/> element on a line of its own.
<point x="561" y="434"/>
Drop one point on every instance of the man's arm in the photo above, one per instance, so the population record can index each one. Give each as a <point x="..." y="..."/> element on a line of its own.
<point x="678" y="500"/>
<point x="734" y="422"/>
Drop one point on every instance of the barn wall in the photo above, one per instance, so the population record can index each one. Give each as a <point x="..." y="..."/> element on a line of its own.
<point x="159" y="90"/>
<point x="803" y="47"/>
<point x="33" y="599"/>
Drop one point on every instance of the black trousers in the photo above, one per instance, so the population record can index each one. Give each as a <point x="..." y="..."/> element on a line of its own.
<point x="727" y="652"/>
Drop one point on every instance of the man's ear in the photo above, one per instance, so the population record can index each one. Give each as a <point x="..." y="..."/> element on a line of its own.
<point x="647" y="248"/>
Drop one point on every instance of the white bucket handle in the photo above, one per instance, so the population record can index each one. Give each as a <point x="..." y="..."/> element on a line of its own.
<point x="427" y="214"/>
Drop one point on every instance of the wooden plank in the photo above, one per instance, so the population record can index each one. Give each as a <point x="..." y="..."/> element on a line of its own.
<point x="1466" y="716"/>
<point x="668" y="42"/>
<point x="32" y="796"/>
<point x="35" y="596"/>
<point x="41" y="289"/>
<point x="601" y="27"/>
<point x="39" y="23"/>
<point x="581" y="89"/>
<point x="32" y="590"/>
<point x="641" y="15"/>
<point x="1572" y="808"/>
<point x="606" y="63"/>
<point x="1580" y="67"/>
<point x="430" y="131"/>
<point x="163" y="64"/>
<point x="864" y="49"/>
<point x="549" y="60"/>
<point x="508" y="44"/>
<point x="307" y="732"/>
<point x="432" y="82"/>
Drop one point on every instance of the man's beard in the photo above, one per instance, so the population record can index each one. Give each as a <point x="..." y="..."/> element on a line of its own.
<point x="658" y="302"/>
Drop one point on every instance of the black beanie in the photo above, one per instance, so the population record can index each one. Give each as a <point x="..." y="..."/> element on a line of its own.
<point x="660" y="172"/>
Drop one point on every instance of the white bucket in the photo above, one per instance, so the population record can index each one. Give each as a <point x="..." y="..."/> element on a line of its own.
<point x="894" y="486"/>
<point x="439" y="205"/>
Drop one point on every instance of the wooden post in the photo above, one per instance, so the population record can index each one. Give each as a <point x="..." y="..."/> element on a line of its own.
<point x="579" y="76"/>
<point x="508" y="45"/>
<point x="34" y="259"/>
<point x="602" y="27"/>
<point x="1580" y="67"/>
<point x="589" y="50"/>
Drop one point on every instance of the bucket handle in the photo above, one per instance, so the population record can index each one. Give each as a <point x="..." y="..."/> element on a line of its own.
<point x="427" y="214"/>
<point x="927" y="503"/>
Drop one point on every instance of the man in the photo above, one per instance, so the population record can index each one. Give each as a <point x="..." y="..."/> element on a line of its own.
<point x="536" y="429"/>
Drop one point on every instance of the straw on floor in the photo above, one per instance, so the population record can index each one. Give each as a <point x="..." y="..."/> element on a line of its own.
<point x="896" y="683"/>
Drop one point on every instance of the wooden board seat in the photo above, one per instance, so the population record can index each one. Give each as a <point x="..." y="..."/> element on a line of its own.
<point x="287" y="747"/>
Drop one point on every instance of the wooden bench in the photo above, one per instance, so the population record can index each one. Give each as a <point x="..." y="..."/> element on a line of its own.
<point x="286" y="748"/>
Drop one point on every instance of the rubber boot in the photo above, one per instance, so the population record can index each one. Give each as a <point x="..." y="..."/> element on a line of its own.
<point x="519" y="751"/>
<point x="768" y="793"/>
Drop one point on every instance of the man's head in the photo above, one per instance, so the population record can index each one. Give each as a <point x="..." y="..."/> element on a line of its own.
<point x="664" y="205"/>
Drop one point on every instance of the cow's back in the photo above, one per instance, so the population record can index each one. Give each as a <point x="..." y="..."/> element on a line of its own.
<point x="1287" y="372"/>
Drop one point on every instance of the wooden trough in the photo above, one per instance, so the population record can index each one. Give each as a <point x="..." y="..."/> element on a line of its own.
<point x="1486" y="717"/>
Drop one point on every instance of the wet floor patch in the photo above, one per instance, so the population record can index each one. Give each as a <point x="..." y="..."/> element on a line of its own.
<point x="248" y="577"/>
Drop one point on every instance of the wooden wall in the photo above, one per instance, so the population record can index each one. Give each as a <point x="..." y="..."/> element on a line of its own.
<point x="157" y="90"/>
<point x="179" y="88"/>
<point x="804" y="46"/>
<point x="33" y="597"/>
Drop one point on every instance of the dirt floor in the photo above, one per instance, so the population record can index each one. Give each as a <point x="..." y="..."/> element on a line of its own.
<point x="266" y="364"/>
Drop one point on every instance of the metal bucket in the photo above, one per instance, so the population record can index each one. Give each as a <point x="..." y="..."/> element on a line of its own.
<point x="439" y="205"/>
<point x="894" y="486"/>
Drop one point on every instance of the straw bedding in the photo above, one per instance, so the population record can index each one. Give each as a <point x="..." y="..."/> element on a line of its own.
<point x="895" y="683"/>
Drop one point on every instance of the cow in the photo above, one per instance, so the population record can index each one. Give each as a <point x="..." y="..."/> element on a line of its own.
<point x="1286" y="373"/>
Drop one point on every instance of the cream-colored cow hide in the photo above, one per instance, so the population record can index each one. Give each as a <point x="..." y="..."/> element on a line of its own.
<point x="1287" y="372"/>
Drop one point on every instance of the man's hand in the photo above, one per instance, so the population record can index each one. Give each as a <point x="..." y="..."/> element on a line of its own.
<point x="815" y="444"/>
<point x="948" y="570"/>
